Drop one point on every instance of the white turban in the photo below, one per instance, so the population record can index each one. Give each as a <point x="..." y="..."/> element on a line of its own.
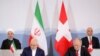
<point x="10" y="30"/>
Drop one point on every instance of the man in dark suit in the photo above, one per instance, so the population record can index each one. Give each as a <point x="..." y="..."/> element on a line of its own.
<point x="33" y="49"/>
<point x="90" y="39"/>
<point x="7" y="42"/>
<point x="77" y="49"/>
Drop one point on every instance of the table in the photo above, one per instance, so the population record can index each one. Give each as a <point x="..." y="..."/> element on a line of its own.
<point x="95" y="52"/>
<point x="9" y="53"/>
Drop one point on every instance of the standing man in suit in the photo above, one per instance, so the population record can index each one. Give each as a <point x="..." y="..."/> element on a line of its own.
<point x="7" y="42"/>
<point x="77" y="49"/>
<point x="33" y="49"/>
<point x="90" y="39"/>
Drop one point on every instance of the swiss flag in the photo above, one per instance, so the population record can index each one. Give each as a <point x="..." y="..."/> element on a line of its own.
<point x="63" y="35"/>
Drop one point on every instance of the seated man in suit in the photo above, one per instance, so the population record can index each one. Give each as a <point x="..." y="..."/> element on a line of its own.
<point x="6" y="44"/>
<point x="77" y="49"/>
<point x="90" y="41"/>
<point x="33" y="49"/>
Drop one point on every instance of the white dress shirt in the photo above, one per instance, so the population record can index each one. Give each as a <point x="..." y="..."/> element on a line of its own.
<point x="89" y="38"/>
<point x="34" y="52"/>
<point x="79" y="52"/>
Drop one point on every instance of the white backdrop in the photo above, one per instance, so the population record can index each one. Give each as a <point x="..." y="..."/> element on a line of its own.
<point x="14" y="13"/>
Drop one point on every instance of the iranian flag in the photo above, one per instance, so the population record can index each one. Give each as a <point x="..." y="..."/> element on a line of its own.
<point x="12" y="47"/>
<point x="37" y="30"/>
<point x="63" y="35"/>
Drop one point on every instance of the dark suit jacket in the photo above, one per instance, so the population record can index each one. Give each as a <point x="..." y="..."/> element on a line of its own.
<point x="28" y="52"/>
<point x="72" y="52"/>
<point x="95" y="42"/>
<point x="7" y="43"/>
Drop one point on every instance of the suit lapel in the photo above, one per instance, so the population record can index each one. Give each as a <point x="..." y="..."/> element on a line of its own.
<point x="73" y="52"/>
<point x="93" y="42"/>
<point x="82" y="54"/>
<point x="37" y="54"/>
<point x="87" y="41"/>
<point x="30" y="52"/>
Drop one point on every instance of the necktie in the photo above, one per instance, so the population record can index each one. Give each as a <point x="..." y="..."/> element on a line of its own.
<point x="76" y="52"/>
<point x="90" y="45"/>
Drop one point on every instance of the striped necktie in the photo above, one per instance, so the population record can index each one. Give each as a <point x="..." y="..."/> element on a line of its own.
<point x="76" y="52"/>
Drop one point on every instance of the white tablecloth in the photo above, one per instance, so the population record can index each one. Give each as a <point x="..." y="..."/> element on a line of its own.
<point x="95" y="52"/>
<point x="9" y="53"/>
